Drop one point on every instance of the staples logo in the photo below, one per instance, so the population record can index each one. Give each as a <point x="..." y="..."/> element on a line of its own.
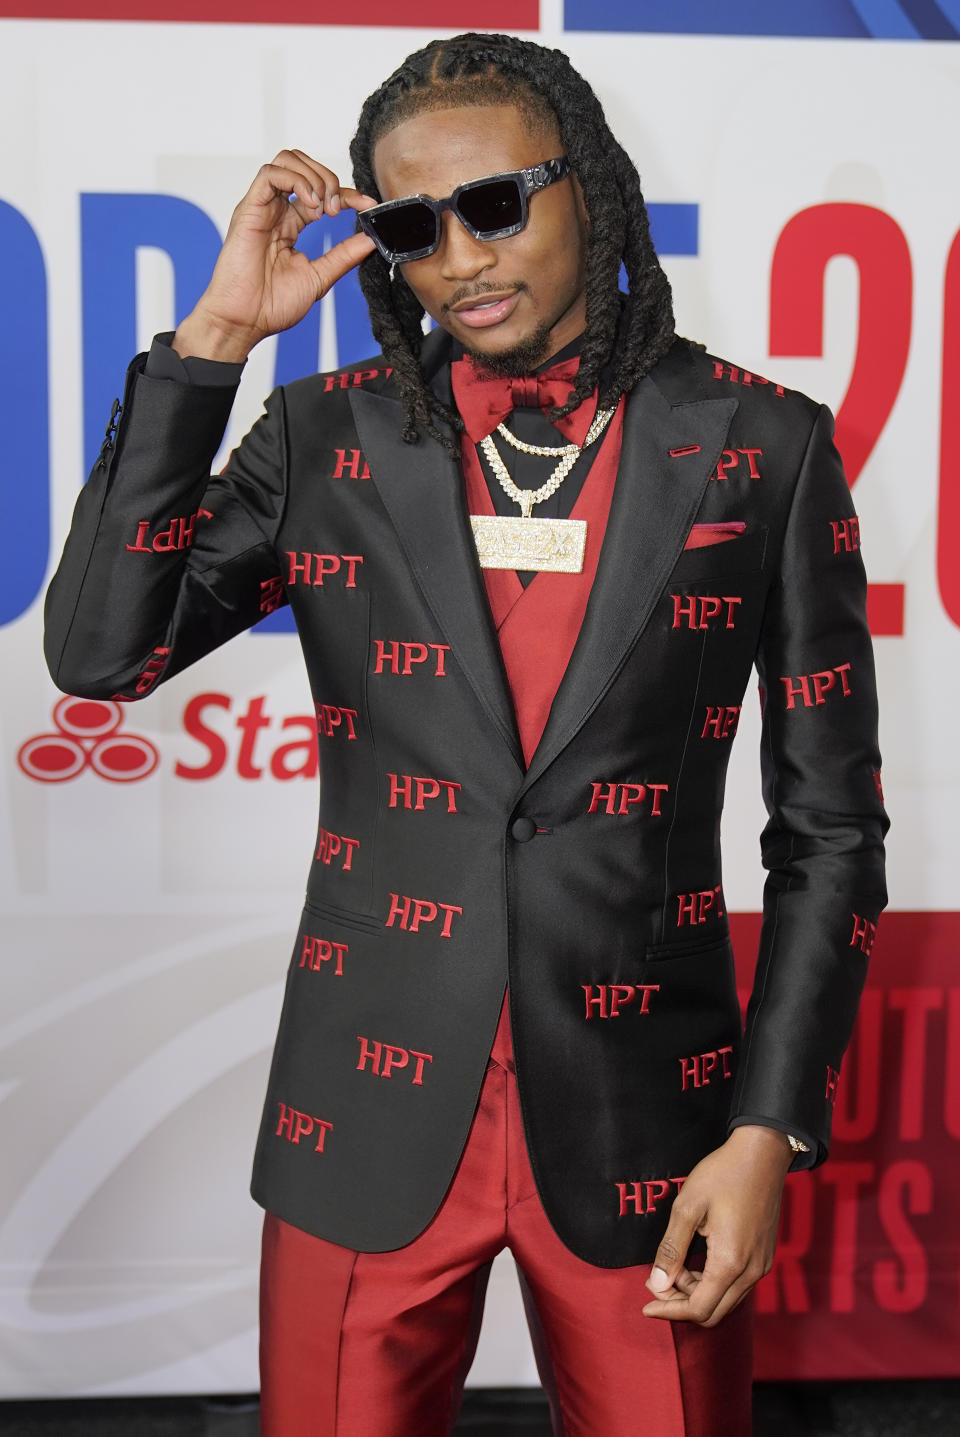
<point x="87" y="736"/>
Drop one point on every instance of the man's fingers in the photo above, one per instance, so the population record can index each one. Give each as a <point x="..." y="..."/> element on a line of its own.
<point x="681" y="1308"/>
<point x="275" y="181"/>
<point x="721" y="1287"/>
<point x="323" y="182"/>
<point x="306" y="211"/>
<point x="687" y="1281"/>
<point x="356" y="199"/>
<point x="733" y="1298"/>
<point x="711" y="1291"/>
<point x="672" y="1252"/>
<point x="336" y="197"/>
<point x="684" y="1283"/>
<point x="349" y="199"/>
<point x="292" y="173"/>
<point x="342" y="257"/>
<point x="311" y="188"/>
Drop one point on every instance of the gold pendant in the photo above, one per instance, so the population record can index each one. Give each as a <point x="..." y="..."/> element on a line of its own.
<point x="552" y="546"/>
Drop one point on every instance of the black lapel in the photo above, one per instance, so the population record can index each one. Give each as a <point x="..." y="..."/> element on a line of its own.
<point x="654" y="504"/>
<point x="422" y="491"/>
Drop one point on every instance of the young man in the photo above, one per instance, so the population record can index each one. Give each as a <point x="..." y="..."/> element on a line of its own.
<point x="528" y="668"/>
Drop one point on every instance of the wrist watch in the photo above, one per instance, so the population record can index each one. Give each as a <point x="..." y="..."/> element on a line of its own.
<point x="796" y="1146"/>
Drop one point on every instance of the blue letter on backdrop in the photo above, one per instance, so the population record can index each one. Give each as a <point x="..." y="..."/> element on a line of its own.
<point x="113" y="228"/>
<point x="24" y="418"/>
<point x="298" y="349"/>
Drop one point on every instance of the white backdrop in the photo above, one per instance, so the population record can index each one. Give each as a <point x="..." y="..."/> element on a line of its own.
<point x="147" y="924"/>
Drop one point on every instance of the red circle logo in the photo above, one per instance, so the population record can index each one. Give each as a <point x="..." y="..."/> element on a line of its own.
<point x="87" y="737"/>
<point x="87" y="718"/>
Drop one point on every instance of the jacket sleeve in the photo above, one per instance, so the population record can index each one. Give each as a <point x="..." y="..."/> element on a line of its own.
<point x="823" y="843"/>
<point x="163" y="563"/>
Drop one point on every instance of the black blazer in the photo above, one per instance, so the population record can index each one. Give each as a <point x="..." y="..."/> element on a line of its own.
<point x="590" y="882"/>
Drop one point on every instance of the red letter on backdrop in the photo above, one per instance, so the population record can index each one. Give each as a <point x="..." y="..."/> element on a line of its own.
<point x="948" y="531"/>
<point x="876" y="244"/>
<point x="194" y="725"/>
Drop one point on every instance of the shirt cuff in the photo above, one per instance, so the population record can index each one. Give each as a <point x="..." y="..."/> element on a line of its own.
<point x="164" y="363"/>
<point x="801" y="1161"/>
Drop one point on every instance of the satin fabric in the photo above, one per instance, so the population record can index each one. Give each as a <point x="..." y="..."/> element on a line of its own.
<point x="379" y="1344"/>
<point x="606" y="897"/>
<point x="538" y="626"/>
<point x="484" y="400"/>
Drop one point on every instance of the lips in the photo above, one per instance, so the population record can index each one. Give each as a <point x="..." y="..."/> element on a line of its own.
<point x="482" y="311"/>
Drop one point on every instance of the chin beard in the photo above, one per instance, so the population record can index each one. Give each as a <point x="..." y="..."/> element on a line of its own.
<point x="517" y="361"/>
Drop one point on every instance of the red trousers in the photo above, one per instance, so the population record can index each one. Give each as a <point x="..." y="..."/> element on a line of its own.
<point x="378" y="1344"/>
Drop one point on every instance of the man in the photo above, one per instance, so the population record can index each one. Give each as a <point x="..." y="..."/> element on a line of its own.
<point x="523" y="759"/>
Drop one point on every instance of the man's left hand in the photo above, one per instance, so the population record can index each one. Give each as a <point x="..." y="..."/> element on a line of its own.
<point x="733" y="1199"/>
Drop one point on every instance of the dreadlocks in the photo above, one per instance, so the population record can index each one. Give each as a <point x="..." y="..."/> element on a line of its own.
<point x="621" y="342"/>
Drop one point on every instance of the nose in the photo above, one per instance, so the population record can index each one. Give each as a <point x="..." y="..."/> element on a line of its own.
<point x="461" y="256"/>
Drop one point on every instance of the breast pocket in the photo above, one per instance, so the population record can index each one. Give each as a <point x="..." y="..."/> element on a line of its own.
<point x="741" y="555"/>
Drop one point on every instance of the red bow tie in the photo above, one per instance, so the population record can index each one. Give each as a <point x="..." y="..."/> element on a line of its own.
<point x="485" y="399"/>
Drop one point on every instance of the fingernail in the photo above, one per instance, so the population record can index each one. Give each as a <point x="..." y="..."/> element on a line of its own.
<point x="315" y="197"/>
<point x="335" y="203"/>
<point x="658" y="1280"/>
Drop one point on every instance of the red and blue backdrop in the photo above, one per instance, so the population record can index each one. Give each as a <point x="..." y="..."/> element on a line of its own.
<point x="798" y="164"/>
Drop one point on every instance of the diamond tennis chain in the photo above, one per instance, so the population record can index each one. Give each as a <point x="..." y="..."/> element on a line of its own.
<point x="526" y="498"/>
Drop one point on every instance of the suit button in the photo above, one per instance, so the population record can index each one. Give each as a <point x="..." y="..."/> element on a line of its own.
<point x="523" y="829"/>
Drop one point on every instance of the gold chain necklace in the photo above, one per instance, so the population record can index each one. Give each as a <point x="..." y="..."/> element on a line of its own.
<point x="526" y="498"/>
<point x="539" y="544"/>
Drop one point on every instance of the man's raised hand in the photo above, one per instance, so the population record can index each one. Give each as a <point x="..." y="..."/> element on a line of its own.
<point x="262" y="283"/>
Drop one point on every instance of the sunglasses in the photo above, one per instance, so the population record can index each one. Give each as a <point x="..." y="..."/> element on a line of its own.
<point x="490" y="208"/>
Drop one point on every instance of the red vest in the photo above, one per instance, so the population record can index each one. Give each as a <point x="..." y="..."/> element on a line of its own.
<point x="538" y="625"/>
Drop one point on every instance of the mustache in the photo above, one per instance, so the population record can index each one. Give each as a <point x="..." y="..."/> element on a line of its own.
<point x="477" y="291"/>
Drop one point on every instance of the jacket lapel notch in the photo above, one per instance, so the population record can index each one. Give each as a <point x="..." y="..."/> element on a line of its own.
<point x="422" y="490"/>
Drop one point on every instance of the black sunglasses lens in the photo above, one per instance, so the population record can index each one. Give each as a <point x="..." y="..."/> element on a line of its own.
<point x="407" y="228"/>
<point x="493" y="206"/>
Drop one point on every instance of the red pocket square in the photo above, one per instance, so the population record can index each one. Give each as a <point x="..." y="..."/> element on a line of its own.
<point x="703" y="534"/>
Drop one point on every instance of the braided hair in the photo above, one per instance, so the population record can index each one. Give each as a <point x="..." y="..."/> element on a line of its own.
<point x="622" y="341"/>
